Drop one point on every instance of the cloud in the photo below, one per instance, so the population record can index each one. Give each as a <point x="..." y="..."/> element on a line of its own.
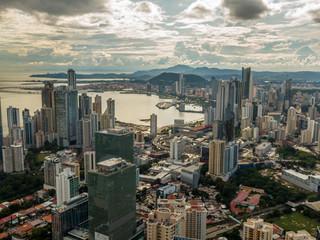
<point x="245" y="10"/>
<point x="315" y="15"/>
<point x="56" y="7"/>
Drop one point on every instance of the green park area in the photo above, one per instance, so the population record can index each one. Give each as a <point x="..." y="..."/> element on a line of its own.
<point x="296" y="221"/>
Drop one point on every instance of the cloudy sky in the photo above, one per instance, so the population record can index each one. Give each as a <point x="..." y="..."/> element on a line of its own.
<point x="130" y="35"/>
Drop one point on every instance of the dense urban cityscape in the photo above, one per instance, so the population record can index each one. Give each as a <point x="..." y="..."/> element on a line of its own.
<point x="247" y="168"/>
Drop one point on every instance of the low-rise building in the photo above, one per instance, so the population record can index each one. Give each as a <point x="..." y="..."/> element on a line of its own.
<point x="308" y="182"/>
<point x="263" y="148"/>
<point x="300" y="235"/>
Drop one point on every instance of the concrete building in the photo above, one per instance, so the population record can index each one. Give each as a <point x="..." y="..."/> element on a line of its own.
<point x="177" y="147"/>
<point x="216" y="157"/>
<point x="263" y="148"/>
<point x="153" y="125"/>
<point x="162" y="224"/>
<point x="17" y="156"/>
<point x="111" y="112"/>
<point x="29" y="130"/>
<point x="40" y="139"/>
<point x="257" y="229"/>
<point x="112" y="200"/>
<point x="46" y="115"/>
<point x="191" y="175"/>
<point x="74" y="166"/>
<point x="196" y="220"/>
<point x="97" y="105"/>
<point x="89" y="163"/>
<point x="308" y="182"/>
<point x="7" y="161"/>
<point x="67" y="186"/>
<point x="291" y="121"/>
<point x="181" y="85"/>
<point x="52" y="168"/>
<point x="299" y="235"/>
<point x="209" y="115"/>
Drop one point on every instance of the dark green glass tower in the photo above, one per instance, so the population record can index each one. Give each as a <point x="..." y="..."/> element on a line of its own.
<point x="112" y="200"/>
<point x="114" y="143"/>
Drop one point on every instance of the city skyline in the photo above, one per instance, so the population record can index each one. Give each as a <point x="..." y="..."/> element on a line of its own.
<point x="114" y="36"/>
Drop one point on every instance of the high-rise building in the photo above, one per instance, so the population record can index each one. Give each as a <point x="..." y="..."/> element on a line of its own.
<point x="177" y="147"/>
<point x="29" y="130"/>
<point x="37" y="120"/>
<point x="47" y="95"/>
<point x="111" y="113"/>
<point x="86" y="133"/>
<point x="46" y="116"/>
<point x="291" y="121"/>
<point x="74" y="166"/>
<point x="89" y="163"/>
<point x="112" y="200"/>
<point x="94" y="127"/>
<point x="72" y="81"/>
<point x="67" y="186"/>
<point x="66" y="114"/>
<point x="181" y="85"/>
<point x="40" y="139"/>
<point x="17" y="156"/>
<point x="257" y="229"/>
<point x="196" y="220"/>
<point x="13" y="117"/>
<point x="217" y="157"/>
<point x="97" y="105"/>
<point x="70" y="215"/>
<point x="153" y="125"/>
<point x="7" y="161"/>
<point x="247" y="84"/>
<point x="163" y="224"/>
<point x="85" y="105"/>
<point x="1" y="132"/>
<point x="288" y="93"/>
<point x="215" y="86"/>
<point x="209" y="115"/>
<point x="52" y="167"/>
<point x="114" y="142"/>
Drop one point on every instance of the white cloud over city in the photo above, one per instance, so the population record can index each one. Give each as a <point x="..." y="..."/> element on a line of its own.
<point x="129" y="35"/>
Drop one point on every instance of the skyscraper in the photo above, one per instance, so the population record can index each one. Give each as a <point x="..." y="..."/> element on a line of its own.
<point x="181" y="85"/>
<point x="247" y="84"/>
<point x="215" y="86"/>
<point x="67" y="186"/>
<point x="291" y="121"/>
<point x="97" y="105"/>
<point x="89" y="163"/>
<point x="85" y="105"/>
<point x="216" y="157"/>
<point x="17" y="156"/>
<point x="29" y="130"/>
<point x="46" y="116"/>
<point x="47" y="95"/>
<point x="114" y="143"/>
<point x="112" y="200"/>
<point x="7" y="161"/>
<point x="52" y="167"/>
<point x="153" y="125"/>
<point x="72" y="84"/>
<point x="13" y="117"/>
<point x="86" y="133"/>
<point x="111" y="113"/>
<point x="1" y="133"/>
<point x="66" y="114"/>
<point x="177" y="147"/>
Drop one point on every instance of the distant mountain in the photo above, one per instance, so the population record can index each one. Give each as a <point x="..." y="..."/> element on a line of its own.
<point x="170" y="78"/>
<point x="204" y="72"/>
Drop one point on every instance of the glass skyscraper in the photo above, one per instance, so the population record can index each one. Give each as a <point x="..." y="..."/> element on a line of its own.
<point x="112" y="200"/>
<point x="114" y="143"/>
